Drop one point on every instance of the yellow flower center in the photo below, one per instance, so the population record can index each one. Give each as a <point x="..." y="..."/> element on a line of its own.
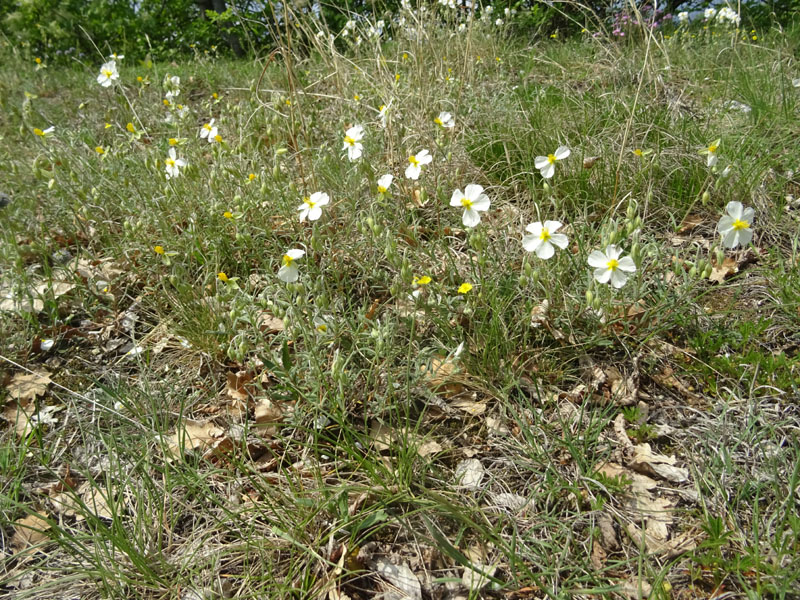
<point x="170" y="162"/>
<point x="38" y="132"/>
<point x="381" y="189"/>
<point x="612" y="265"/>
<point x="251" y="176"/>
<point x="712" y="148"/>
<point x="218" y="138"/>
<point x="466" y="203"/>
<point x="413" y="160"/>
<point x="107" y="73"/>
<point x="382" y="108"/>
<point x="207" y="126"/>
<point x="349" y="141"/>
<point x="287" y="260"/>
<point x="551" y="158"/>
<point x="309" y="202"/>
<point x="438" y="121"/>
<point x="322" y="328"/>
<point x="738" y="225"/>
<point x="545" y="235"/>
<point x="166" y="102"/>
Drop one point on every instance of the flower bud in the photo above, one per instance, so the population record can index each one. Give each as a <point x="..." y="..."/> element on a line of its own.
<point x="589" y="297"/>
<point x="707" y="271"/>
<point x="523" y="281"/>
<point x="527" y="269"/>
<point x="693" y="272"/>
<point x="546" y="187"/>
<point x="631" y="212"/>
<point x="706" y="197"/>
<point x="636" y="252"/>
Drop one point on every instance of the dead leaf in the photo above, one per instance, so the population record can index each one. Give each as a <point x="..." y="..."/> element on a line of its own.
<point x="469" y="405"/>
<point x="590" y="161"/>
<point x="268" y="323"/>
<point x="719" y="272"/>
<point x="645" y="461"/>
<point x="540" y="314"/>
<point x="193" y="435"/>
<point x="429" y="447"/>
<point x="95" y="500"/>
<point x="28" y="532"/>
<point x="477" y="577"/>
<point x="512" y="502"/>
<point x="689" y="222"/>
<point x="268" y="415"/>
<point x="469" y="473"/>
<point x="438" y="376"/>
<point x="599" y="555"/>
<point x="401" y="577"/>
<point x="636" y="590"/>
<point x="20" y="415"/>
<point x="235" y="387"/>
<point x="27" y="386"/>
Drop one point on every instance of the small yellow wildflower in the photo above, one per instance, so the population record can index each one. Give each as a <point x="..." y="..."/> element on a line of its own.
<point x="222" y="276"/>
<point x="99" y="150"/>
<point x="38" y="132"/>
<point x="356" y="97"/>
<point x="424" y="280"/>
<point x="227" y="214"/>
<point x="405" y="55"/>
<point x="130" y="128"/>
<point x="166" y="102"/>
<point x="464" y="288"/>
<point x="108" y="125"/>
<point x="173" y="141"/>
<point x="158" y="249"/>
<point x="139" y="78"/>
<point x="37" y="60"/>
<point x="251" y="177"/>
<point x="218" y="138"/>
<point x="215" y="96"/>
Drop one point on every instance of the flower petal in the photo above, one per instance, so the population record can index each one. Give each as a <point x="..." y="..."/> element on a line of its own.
<point x="545" y="251"/>
<point x="552" y="226"/>
<point x="455" y="199"/>
<point x="296" y="253"/>
<point x="473" y="191"/>
<point x="541" y="162"/>
<point x="745" y="236"/>
<point x="482" y="203"/>
<point x="725" y="224"/>
<point x="602" y="275"/>
<point x="598" y="259"/>
<point x="548" y="170"/>
<point x="618" y="278"/>
<point x="734" y="209"/>
<point x="562" y="152"/>
<point x="531" y="242"/>
<point x="471" y="218"/>
<point x="535" y="228"/>
<point x="626" y="264"/>
<point x="559" y="239"/>
<point x="613" y="251"/>
<point x="288" y="274"/>
<point x="748" y="214"/>
<point x="730" y="239"/>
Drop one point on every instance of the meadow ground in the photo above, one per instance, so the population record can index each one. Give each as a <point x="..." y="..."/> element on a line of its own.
<point x="418" y="401"/>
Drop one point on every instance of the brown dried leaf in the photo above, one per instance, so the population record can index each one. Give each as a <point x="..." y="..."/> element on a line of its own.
<point x="29" y="531"/>
<point x="26" y="386"/>
<point x="469" y="405"/>
<point x="20" y="415"/>
<point x="268" y="323"/>
<point x="400" y="577"/>
<point x="590" y="161"/>
<point x="193" y="435"/>
<point x="720" y="272"/>
<point x="690" y="222"/>
<point x="645" y="461"/>
<point x="235" y="387"/>
<point x="268" y="414"/>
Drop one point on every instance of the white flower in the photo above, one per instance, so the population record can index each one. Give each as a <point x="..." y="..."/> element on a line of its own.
<point x="546" y="164"/>
<point x="310" y="208"/>
<point x="173" y="164"/>
<point x="415" y="162"/>
<point x="208" y="131"/>
<point x="711" y="152"/>
<point x="709" y="13"/>
<point x="542" y="238"/>
<point x="382" y="114"/>
<point x="352" y="142"/>
<point x="108" y="74"/>
<point x="384" y="183"/>
<point x="609" y="266"/>
<point x="683" y="17"/>
<point x="735" y="226"/>
<point x="446" y="120"/>
<point x="116" y="56"/>
<point x="796" y="82"/>
<point x="474" y="201"/>
<point x="461" y="27"/>
<point x="498" y="22"/>
<point x="288" y="271"/>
